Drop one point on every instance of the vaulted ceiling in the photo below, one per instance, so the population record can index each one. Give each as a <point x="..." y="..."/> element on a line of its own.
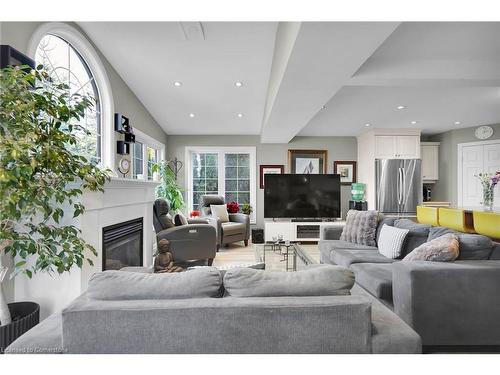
<point x="310" y="78"/>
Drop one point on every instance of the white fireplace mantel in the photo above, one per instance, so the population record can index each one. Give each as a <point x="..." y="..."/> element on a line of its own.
<point x="122" y="200"/>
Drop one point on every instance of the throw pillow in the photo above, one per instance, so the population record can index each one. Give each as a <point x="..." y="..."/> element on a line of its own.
<point x="441" y="249"/>
<point x="180" y="219"/>
<point x="220" y="211"/>
<point x="360" y="227"/>
<point x="390" y="242"/>
<point x="320" y="280"/>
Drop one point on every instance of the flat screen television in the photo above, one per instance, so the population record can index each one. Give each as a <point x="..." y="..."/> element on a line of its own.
<point x="302" y="196"/>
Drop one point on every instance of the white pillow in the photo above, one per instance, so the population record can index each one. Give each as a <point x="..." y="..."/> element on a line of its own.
<point x="391" y="241"/>
<point x="220" y="211"/>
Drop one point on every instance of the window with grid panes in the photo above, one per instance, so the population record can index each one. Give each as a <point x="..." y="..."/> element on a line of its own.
<point x="237" y="177"/>
<point x="205" y="176"/>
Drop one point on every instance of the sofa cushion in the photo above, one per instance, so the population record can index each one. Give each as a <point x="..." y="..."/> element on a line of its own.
<point x="347" y="257"/>
<point x="391" y="241"/>
<point x="118" y="285"/>
<point x="472" y="246"/>
<point x="375" y="278"/>
<point x="436" y="232"/>
<point x="417" y="235"/>
<point x="495" y="252"/>
<point x="441" y="249"/>
<point x="360" y="227"/>
<point x="320" y="280"/>
<point x="231" y="229"/>
<point x="327" y="247"/>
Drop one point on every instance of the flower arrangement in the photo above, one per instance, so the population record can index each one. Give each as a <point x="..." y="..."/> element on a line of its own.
<point x="233" y="207"/>
<point x="194" y="213"/>
<point x="488" y="181"/>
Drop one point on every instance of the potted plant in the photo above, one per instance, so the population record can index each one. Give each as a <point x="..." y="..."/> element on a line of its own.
<point x="233" y="207"/>
<point x="41" y="181"/>
<point x="169" y="188"/>
<point x="246" y="208"/>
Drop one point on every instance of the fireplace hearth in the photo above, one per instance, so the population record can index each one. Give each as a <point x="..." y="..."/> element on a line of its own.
<point x="122" y="245"/>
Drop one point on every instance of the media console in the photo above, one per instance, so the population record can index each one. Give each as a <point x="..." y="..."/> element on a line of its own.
<point x="298" y="230"/>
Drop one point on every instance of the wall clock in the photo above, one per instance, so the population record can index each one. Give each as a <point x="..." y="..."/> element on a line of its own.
<point x="124" y="166"/>
<point x="483" y="132"/>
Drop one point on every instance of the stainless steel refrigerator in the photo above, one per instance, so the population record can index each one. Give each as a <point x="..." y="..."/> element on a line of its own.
<point x="398" y="186"/>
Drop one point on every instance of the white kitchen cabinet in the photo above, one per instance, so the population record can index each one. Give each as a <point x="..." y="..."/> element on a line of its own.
<point x="397" y="147"/>
<point x="430" y="161"/>
<point x="385" y="147"/>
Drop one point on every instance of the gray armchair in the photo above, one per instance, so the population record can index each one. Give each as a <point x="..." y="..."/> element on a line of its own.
<point x="236" y="229"/>
<point x="197" y="240"/>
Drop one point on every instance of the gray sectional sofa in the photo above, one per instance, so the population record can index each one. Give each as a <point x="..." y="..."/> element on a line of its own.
<point x="113" y="317"/>
<point x="448" y="304"/>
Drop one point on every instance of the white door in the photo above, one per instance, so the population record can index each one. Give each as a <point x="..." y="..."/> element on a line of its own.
<point x="476" y="159"/>
<point x="408" y="147"/>
<point x="472" y="165"/>
<point x="385" y="147"/>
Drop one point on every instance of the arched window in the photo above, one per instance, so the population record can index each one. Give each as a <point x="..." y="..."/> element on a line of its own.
<point x="70" y="58"/>
<point x="66" y="65"/>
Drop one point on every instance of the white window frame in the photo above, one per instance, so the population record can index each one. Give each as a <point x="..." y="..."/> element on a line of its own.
<point x="93" y="61"/>
<point x="220" y="151"/>
<point x="147" y="141"/>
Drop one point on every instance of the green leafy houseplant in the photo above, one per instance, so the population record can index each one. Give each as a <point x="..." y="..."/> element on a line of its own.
<point x="246" y="208"/>
<point x="41" y="179"/>
<point x="169" y="188"/>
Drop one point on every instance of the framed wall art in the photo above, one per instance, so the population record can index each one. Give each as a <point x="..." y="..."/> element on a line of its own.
<point x="270" y="169"/>
<point x="307" y="161"/>
<point x="346" y="170"/>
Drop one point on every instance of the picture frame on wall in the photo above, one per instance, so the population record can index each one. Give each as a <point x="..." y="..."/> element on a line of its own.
<point x="270" y="169"/>
<point x="307" y="161"/>
<point x="347" y="171"/>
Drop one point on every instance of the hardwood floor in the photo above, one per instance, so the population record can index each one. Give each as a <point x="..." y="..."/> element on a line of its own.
<point x="237" y="254"/>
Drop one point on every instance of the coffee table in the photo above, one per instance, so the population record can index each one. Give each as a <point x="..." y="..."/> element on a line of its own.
<point x="279" y="257"/>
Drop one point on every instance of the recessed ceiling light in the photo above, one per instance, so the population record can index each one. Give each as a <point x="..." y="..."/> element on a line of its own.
<point x="238" y="84"/>
<point x="191" y="115"/>
<point x="177" y="84"/>
<point x="367" y="125"/>
<point x="401" y="107"/>
<point x="240" y="115"/>
<point x="457" y="122"/>
<point x="413" y="122"/>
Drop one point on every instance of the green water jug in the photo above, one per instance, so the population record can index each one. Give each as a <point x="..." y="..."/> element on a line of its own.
<point x="358" y="192"/>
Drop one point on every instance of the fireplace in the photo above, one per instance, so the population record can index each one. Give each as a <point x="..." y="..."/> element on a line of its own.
<point x="122" y="245"/>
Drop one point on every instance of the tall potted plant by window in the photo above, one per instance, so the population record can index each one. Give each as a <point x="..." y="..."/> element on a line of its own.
<point x="169" y="188"/>
<point x="41" y="181"/>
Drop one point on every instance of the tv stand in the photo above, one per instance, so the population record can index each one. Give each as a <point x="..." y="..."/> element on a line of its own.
<point x="292" y="230"/>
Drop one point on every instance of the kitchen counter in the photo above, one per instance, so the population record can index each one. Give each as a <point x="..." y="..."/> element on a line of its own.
<point x="436" y="204"/>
